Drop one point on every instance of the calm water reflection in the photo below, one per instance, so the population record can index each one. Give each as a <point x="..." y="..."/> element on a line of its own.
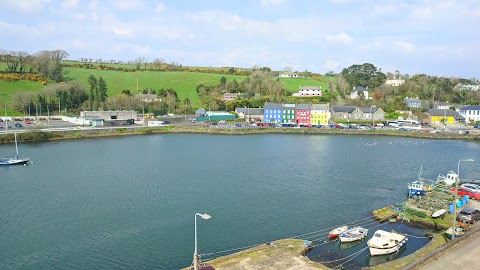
<point x="129" y="203"/>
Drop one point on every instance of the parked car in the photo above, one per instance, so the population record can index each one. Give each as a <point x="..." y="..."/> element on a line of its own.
<point x="476" y="126"/>
<point x="27" y="122"/>
<point x="221" y="122"/>
<point x="238" y="125"/>
<point x="1" y="120"/>
<point x="469" y="215"/>
<point x="462" y="191"/>
<point x="472" y="187"/>
<point x="18" y="125"/>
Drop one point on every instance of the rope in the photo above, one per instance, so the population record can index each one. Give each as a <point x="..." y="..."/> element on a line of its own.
<point x="295" y="236"/>
<point x="350" y="259"/>
<point x="353" y="254"/>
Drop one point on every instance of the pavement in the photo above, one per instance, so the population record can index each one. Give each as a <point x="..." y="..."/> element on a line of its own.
<point x="462" y="256"/>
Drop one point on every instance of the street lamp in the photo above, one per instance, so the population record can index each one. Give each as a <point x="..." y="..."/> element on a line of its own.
<point x="456" y="192"/>
<point x="373" y="119"/>
<point x="195" y="254"/>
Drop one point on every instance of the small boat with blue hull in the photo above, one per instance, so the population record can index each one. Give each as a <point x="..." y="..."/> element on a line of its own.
<point x="417" y="188"/>
<point x="420" y="187"/>
<point x="450" y="232"/>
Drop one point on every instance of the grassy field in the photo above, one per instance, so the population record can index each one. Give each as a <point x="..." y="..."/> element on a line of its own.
<point x="292" y="84"/>
<point x="184" y="83"/>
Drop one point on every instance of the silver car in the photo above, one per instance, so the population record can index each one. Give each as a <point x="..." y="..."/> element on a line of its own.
<point x="472" y="187"/>
<point x="469" y="215"/>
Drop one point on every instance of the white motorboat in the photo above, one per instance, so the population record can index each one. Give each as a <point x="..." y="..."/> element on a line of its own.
<point x="353" y="234"/>
<point x="383" y="242"/>
<point x="450" y="179"/>
<point x="337" y="231"/>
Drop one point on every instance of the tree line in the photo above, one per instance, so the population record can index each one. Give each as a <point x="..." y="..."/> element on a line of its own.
<point x="47" y="63"/>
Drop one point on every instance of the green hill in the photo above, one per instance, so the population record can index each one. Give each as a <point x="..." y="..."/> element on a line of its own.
<point x="184" y="83"/>
<point x="292" y="84"/>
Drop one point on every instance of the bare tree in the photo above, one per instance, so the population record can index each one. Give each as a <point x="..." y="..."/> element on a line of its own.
<point x="157" y="62"/>
<point x="138" y="62"/>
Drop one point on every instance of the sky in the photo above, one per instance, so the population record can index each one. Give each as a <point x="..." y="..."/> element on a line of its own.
<point x="438" y="37"/>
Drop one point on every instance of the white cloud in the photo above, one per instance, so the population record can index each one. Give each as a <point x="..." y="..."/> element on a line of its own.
<point x="422" y="13"/>
<point x="404" y="46"/>
<point x="70" y="4"/>
<point x="160" y="7"/>
<point x="270" y="3"/>
<point x="127" y="4"/>
<point x="339" y="38"/>
<point x="35" y="6"/>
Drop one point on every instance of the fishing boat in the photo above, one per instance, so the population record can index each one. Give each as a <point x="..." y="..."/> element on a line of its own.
<point x="16" y="160"/>
<point x="419" y="187"/>
<point x="383" y="242"/>
<point x="353" y="234"/>
<point x="337" y="231"/>
<point x="454" y="232"/>
<point x="450" y="179"/>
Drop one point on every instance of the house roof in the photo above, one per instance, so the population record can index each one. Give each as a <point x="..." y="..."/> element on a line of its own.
<point x="442" y="112"/>
<point x="250" y="111"/>
<point x="273" y="106"/>
<point x="347" y="109"/>
<point x="303" y="106"/>
<point x="319" y="107"/>
<point x="288" y="73"/>
<point x="369" y="109"/>
<point x="471" y="108"/>
<point x="407" y="99"/>
<point x="310" y="88"/>
<point x="288" y="106"/>
<point x="359" y="88"/>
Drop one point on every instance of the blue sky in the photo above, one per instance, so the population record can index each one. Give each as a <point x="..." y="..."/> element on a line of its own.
<point x="433" y="37"/>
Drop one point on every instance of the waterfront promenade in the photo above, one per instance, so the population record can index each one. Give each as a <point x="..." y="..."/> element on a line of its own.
<point x="461" y="256"/>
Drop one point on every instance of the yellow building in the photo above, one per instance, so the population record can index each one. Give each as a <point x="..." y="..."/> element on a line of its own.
<point x="443" y="116"/>
<point x="320" y="114"/>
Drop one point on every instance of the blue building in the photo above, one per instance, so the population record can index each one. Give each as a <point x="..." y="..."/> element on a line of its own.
<point x="272" y="113"/>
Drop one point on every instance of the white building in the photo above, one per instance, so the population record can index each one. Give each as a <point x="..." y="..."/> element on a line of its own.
<point x="395" y="82"/>
<point x="471" y="113"/>
<point x="470" y="87"/>
<point x="308" y="91"/>
<point x="289" y="75"/>
<point x="356" y="90"/>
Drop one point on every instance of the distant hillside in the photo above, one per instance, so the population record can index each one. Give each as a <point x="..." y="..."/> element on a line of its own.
<point x="184" y="83"/>
<point x="292" y="84"/>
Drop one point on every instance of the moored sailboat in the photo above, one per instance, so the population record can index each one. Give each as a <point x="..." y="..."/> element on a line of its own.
<point x="16" y="160"/>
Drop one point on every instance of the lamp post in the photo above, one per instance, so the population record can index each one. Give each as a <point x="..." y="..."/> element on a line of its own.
<point x="195" y="254"/>
<point x="373" y="119"/>
<point x="456" y="192"/>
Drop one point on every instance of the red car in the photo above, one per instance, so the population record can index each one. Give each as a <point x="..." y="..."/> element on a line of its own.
<point x="465" y="191"/>
<point x="27" y="122"/>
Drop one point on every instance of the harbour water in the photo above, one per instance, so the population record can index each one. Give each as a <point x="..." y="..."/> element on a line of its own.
<point x="129" y="202"/>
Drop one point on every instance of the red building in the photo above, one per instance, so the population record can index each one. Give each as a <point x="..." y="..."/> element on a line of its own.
<point x="303" y="114"/>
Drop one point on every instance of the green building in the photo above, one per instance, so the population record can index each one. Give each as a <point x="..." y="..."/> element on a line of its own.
<point x="288" y="112"/>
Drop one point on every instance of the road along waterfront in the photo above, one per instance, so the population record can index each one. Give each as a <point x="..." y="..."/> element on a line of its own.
<point x="128" y="202"/>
